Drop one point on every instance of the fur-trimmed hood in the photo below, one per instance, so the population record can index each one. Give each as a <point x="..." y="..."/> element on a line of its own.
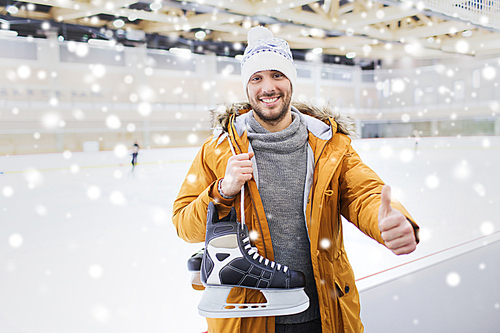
<point x="345" y="124"/>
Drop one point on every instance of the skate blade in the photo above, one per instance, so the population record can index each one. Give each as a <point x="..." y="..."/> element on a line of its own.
<point x="213" y="303"/>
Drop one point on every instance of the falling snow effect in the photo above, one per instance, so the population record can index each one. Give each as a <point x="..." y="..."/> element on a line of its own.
<point x="453" y="279"/>
<point x="407" y="155"/>
<point x="325" y="243"/>
<point x="51" y="120"/>
<point x="144" y="109"/>
<point x="386" y="151"/>
<point x="120" y="150"/>
<point x="489" y="73"/>
<point x="41" y="210"/>
<point x="15" y="240"/>
<point x="254" y="235"/>
<point x="74" y="168"/>
<point x="90" y="218"/>
<point x="101" y="313"/>
<point x="113" y="122"/>
<point x="67" y="154"/>
<point x="487" y="228"/>
<point x="462" y="171"/>
<point x="93" y="192"/>
<point x="7" y="191"/>
<point x="117" y="198"/>
<point x="95" y="272"/>
<point x="432" y="181"/>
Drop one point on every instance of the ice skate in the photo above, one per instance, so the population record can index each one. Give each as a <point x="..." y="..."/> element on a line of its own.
<point x="229" y="260"/>
<point x="194" y="266"/>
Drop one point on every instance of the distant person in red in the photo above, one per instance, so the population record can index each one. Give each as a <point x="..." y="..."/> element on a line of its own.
<point x="135" y="152"/>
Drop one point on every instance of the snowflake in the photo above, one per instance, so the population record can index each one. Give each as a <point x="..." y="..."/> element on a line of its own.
<point x="453" y="279"/>
<point x="15" y="240"/>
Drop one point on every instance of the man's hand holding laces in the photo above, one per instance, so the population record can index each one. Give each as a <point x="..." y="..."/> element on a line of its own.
<point x="239" y="170"/>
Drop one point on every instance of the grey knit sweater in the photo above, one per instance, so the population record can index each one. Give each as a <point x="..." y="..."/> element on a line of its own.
<point x="281" y="167"/>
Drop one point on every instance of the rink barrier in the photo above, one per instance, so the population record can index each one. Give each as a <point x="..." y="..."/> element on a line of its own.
<point x="97" y="166"/>
<point x="374" y="144"/>
<point x="495" y="235"/>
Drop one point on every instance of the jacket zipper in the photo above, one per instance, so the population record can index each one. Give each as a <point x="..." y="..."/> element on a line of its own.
<point x="314" y="184"/>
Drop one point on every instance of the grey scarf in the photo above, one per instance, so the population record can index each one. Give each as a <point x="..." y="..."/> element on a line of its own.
<point x="281" y="165"/>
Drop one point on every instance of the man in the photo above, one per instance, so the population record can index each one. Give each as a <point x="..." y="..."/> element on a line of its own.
<point x="300" y="174"/>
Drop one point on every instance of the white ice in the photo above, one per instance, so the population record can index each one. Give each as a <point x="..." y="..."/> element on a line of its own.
<point x="88" y="246"/>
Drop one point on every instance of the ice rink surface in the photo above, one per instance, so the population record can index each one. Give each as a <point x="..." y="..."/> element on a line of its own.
<point x="88" y="246"/>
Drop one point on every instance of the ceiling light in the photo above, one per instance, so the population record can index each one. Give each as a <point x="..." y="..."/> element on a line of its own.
<point x="317" y="50"/>
<point x="200" y="34"/>
<point x="102" y="42"/>
<point x="317" y="32"/>
<point x="155" y="6"/>
<point x="118" y="23"/>
<point x="467" y="33"/>
<point x="179" y="51"/>
<point x="350" y="55"/>
<point x="12" y="10"/>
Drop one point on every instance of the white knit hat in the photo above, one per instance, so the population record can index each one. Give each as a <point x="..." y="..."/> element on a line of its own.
<point x="264" y="52"/>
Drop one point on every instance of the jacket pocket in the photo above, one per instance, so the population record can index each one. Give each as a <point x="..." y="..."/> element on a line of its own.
<point x="344" y="275"/>
<point x="338" y="292"/>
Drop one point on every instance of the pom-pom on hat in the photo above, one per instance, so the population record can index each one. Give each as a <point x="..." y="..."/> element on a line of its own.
<point x="265" y="52"/>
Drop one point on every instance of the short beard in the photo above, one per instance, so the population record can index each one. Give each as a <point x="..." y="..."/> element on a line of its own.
<point x="275" y="119"/>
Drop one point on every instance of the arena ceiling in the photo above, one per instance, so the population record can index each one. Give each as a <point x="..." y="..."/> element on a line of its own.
<point x="333" y="29"/>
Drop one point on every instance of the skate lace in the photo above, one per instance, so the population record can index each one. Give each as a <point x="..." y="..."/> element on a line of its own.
<point x="242" y="196"/>
<point x="252" y="251"/>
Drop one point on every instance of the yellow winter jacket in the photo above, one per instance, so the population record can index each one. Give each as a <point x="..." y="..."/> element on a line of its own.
<point x="338" y="184"/>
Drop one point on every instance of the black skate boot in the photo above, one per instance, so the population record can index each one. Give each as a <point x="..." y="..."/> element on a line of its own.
<point x="229" y="260"/>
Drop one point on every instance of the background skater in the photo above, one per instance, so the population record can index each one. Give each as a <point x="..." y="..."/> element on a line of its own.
<point x="135" y="152"/>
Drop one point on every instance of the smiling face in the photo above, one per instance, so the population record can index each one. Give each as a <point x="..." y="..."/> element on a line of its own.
<point x="270" y="93"/>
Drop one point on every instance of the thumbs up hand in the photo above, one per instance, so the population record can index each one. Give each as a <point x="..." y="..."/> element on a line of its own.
<point x="395" y="229"/>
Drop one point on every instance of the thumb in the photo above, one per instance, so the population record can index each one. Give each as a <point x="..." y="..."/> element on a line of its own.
<point x="385" y="206"/>
<point x="250" y="155"/>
